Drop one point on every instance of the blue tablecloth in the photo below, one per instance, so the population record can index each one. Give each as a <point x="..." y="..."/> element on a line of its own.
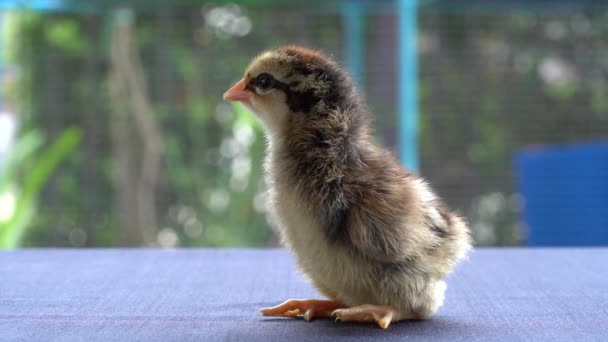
<point x="209" y="295"/>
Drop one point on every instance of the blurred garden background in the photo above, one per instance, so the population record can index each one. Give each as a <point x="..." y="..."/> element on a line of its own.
<point x="113" y="131"/>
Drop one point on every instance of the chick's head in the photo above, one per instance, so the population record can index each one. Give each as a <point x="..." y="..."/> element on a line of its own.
<point x="289" y="82"/>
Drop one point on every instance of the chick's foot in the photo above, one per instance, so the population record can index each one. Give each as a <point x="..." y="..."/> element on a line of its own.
<point x="307" y="308"/>
<point x="383" y="315"/>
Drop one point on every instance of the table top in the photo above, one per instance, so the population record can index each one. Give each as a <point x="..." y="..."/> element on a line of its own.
<point x="214" y="294"/>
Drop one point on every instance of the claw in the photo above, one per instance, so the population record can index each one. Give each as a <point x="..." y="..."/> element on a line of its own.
<point x="385" y="321"/>
<point x="309" y="314"/>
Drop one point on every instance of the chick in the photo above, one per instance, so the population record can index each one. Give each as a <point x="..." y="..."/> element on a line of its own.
<point x="372" y="237"/>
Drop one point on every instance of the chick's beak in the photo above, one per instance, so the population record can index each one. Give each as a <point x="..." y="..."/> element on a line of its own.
<point x="238" y="93"/>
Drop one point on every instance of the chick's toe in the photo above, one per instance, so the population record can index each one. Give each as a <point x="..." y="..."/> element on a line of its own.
<point x="307" y="308"/>
<point x="383" y="315"/>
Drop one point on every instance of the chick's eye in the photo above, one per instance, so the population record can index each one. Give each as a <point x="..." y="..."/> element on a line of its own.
<point x="264" y="82"/>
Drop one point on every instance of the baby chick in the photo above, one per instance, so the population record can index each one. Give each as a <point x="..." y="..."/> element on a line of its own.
<point x="371" y="237"/>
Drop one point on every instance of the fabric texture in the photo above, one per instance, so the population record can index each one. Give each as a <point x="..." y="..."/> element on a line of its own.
<point x="214" y="295"/>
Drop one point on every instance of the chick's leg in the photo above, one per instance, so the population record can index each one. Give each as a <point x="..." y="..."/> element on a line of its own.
<point x="308" y="308"/>
<point x="383" y="315"/>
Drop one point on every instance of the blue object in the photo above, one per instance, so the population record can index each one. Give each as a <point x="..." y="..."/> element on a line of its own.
<point x="354" y="48"/>
<point x="565" y="193"/>
<point x="39" y="5"/>
<point x="214" y="295"/>
<point x="408" y="83"/>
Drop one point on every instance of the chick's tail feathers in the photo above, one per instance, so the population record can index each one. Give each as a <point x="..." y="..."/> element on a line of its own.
<point x="455" y="243"/>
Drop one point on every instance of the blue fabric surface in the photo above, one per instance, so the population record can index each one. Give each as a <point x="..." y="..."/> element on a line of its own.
<point x="214" y="295"/>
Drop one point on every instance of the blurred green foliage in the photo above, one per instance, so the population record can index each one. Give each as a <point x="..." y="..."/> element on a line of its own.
<point x="213" y="154"/>
<point x="490" y="84"/>
<point x="494" y="83"/>
<point x="26" y="171"/>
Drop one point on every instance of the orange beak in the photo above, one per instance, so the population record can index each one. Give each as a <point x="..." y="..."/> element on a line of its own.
<point x="238" y="93"/>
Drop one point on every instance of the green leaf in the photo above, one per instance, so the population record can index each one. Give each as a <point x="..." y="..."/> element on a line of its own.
<point x="12" y="231"/>
<point x="65" y="35"/>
